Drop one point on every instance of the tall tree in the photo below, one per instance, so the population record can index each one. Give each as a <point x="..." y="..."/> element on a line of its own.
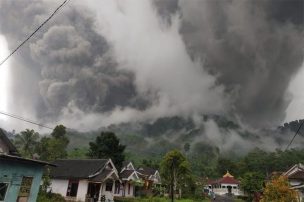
<point x="107" y="145"/>
<point x="54" y="147"/>
<point x="26" y="142"/>
<point x="252" y="182"/>
<point x="175" y="170"/>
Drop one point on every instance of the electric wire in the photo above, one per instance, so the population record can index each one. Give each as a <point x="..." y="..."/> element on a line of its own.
<point x="26" y="120"/>
<point x="28" y="38"/>
<point x="294" y="135"/>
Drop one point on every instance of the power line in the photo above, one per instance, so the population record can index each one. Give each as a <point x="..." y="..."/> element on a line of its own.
<point x="295" y="135"/>
<point x="26" y="120"/>
<point x="28" y="38"/>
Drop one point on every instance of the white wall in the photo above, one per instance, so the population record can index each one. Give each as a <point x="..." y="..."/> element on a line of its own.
<point x="82" y="190"/>
<point x="131" y="190"/>
<point x="59" y="186"/>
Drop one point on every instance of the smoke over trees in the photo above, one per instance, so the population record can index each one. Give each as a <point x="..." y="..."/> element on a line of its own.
<point x="98" y="63"/>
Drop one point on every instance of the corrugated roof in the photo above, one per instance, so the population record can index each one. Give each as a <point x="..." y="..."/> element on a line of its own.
<point x="24" y="160"/>
<point x="79" y="169"/>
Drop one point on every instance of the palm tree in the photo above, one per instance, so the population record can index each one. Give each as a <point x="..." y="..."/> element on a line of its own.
<point x="26" y="142"/>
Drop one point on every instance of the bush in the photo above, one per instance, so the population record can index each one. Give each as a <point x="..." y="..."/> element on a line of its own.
<point x="49" y="197"/>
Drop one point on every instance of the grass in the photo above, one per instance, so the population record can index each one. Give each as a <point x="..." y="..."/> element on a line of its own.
<point x="159" y="199"/>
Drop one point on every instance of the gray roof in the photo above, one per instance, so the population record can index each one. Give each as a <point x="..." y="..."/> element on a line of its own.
<point x="77" y="169"/>
<point x="8" y="143"/>
<point x="126" y="173"/>
<point x="146" y="171"/>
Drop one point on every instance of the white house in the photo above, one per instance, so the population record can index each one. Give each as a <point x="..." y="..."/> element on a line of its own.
<point x="150" y="177"/>
<point x="129" y="177"/>
<point x="225" y="185"/>
<point x="296" y="179"/>
<point x="85" y="180"/>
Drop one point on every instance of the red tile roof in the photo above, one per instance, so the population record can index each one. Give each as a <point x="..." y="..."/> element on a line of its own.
<point x="228" y="180"/>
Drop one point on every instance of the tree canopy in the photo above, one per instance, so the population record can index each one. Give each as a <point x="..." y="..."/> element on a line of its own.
<point x="26" y="142"/>
<point x="175" y="170"/>
<point x="107" y="145"/>
<point x="278" y="190"/>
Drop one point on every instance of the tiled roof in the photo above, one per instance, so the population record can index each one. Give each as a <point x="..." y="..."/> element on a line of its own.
<point x="228" y="180"/>
<point x="224" y="180"/>
<point x="80" y="169"/>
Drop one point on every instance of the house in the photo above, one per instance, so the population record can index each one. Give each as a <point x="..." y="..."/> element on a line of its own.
<point x="295" y="177"/>
<point x="150" y="177"/>
<point x="85" y="179"/>
<point x="20" y="178"/>
<point x="225" y="185"/>
<point x="129" y="181"/>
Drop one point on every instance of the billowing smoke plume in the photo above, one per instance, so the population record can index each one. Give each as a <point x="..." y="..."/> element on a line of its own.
<point x="103" y="62"/>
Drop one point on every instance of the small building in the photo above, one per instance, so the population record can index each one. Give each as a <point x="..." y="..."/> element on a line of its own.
<point x="150" y="177"/>
<point x="85" y="179"/>
<point x="20" y="178"/>
<point x="129" y="180"/>
<point x="225" y="185"/>
<point x="295" y="177"/>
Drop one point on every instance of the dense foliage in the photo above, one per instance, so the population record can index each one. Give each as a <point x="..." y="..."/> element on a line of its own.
<point x="107" y="145"/>
<point x="278" y="190"/>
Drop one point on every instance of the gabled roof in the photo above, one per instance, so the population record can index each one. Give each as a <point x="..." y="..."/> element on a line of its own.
<point x="146" y="171"/>
<point x="12" y="149"/>
<point x="299" y="175"/>
<point x="295" y="168"/>
<point x="126" y="173"/>
<point x="78" y="168"/>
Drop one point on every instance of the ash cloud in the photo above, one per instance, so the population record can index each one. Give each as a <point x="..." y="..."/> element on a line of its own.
<point x="103" y="62"/>
<point x="255" y="47"/>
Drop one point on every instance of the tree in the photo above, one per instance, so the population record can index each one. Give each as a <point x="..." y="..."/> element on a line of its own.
<point x="59" y="132"/>
<point x="107" y="145"/>
<point x="278" y="190"/>
<point x="54" y="147"/>
<point x="26" y="142"/>
<point x="175" y="170"/>
<point x="252" y="182"/>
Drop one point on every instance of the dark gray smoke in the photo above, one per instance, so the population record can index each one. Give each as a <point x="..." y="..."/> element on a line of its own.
<point x="255" y="48"/>
<point x="69" y="63"/>
<point x="148" y="59"/>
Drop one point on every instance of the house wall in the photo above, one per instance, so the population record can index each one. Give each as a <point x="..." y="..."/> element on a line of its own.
<point x="59" y="186"/>
<point x="13" y="172"/>
<point x="82" y="190"/>
<point x="127" y="194"/>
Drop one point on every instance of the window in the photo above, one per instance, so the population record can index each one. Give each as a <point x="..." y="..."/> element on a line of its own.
<point x="109" y="186"/>
<point x="72" y="188"/>
<point x="3" y="190"/>
<point x="129" y="187"/>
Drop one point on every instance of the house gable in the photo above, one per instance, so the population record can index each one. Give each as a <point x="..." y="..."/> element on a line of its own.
<point x="128" y="166"/>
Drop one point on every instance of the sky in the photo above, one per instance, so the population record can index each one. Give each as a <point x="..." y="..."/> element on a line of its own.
<point x="97" y="63"/>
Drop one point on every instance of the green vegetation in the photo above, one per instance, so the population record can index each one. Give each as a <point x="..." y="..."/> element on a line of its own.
<point x="107" y="145"/>
<point x="278" y="189"/>
<point x="159" y="199"/>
